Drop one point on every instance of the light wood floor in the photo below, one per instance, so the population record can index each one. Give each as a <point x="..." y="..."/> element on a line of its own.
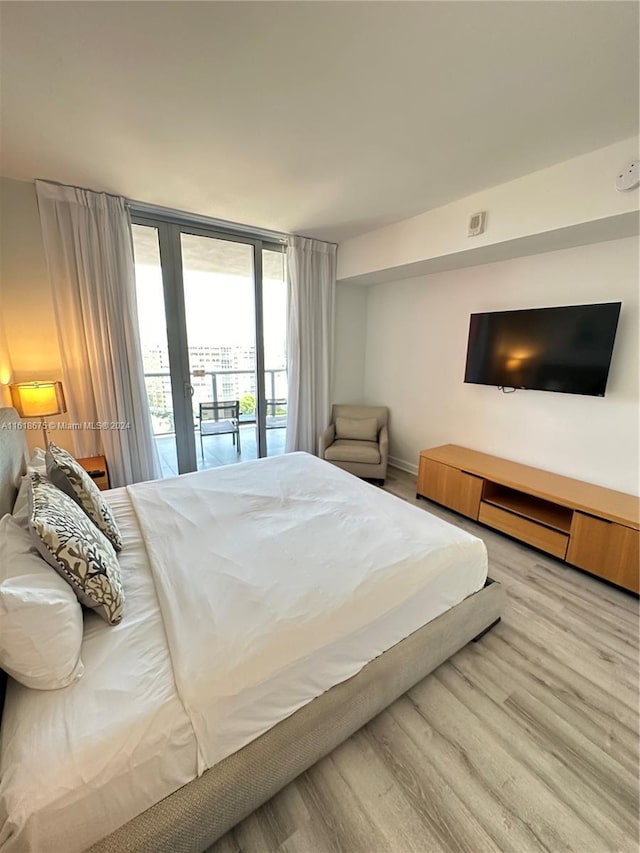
<point x="525" y="741"/>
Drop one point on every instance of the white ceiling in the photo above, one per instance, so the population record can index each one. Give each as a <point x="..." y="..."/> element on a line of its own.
<point x="326" y="119"/>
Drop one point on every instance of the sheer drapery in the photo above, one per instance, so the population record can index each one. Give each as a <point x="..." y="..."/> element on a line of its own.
<point x="89" y="251"/>
<point x="311" y="285"/>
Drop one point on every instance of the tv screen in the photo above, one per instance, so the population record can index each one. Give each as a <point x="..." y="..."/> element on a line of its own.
<point x="564" y="349"/>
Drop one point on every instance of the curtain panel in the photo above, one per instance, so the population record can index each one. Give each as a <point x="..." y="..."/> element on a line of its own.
<point x="89" y="251"/>
<point x="311" y="287"/>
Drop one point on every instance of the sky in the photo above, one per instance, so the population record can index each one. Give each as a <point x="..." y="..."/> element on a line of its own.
<point x="219" y="310"/>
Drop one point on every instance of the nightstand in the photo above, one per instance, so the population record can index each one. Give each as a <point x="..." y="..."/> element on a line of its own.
<point x="96" y="468"/>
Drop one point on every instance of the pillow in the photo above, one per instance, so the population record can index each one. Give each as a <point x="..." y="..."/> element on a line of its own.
<point x="358" y="429"/>
<point x="41" y="635"/>
<point x="67" y="474"/>
<point x="21" y="507"/>
<point x="37" y="462"/>
<point x="76" y="549"/>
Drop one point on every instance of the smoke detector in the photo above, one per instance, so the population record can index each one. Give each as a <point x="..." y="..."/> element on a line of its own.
<point x="629" y="177"/>
<point x="477" y="223"/>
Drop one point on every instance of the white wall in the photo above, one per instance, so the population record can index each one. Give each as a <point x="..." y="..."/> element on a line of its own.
<point x="350" y="341"/>
<point x="560" y="199"/>
<point x="26" y="307"/>
<point x="415" y="358"/>
<point x="5" y="364"/>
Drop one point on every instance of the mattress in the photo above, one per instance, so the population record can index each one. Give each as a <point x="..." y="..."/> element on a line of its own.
<point x="310" y="573"/>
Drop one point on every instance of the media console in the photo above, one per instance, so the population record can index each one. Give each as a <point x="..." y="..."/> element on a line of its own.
<point x="588" y="526"/>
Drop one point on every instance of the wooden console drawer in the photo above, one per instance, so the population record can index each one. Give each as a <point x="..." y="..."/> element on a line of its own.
<point x="450" y="487"/>
<point x="551" y="541"/>
<point x="607" y="549"/>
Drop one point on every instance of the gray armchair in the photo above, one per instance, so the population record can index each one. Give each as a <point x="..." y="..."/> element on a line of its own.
<point x="357" y="440"/>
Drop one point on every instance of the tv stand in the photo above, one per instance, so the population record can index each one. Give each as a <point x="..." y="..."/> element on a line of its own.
<point x="591" y="527"/>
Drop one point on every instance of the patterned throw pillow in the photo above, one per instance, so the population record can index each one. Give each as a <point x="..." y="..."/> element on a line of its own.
<point x="76" y="549"/>
<point x="67" y="474"/>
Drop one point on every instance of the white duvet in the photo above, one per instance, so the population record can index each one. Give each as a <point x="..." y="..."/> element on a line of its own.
<point x="251" y="590"/>
<point x="280" y="578"/>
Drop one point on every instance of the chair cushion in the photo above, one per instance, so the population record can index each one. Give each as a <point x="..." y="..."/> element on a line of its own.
<point x="358" y="429"/>
<point x="346" y="450"/>
<point x="217" y="427"/>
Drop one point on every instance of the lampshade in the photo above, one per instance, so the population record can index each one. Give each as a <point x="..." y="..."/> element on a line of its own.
<point x="38" y="399"/>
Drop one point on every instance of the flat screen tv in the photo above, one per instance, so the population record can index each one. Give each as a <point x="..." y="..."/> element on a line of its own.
<point x="564" y="349"/>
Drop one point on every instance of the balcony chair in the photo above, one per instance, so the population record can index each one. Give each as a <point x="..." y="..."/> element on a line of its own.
<point x="219" y="419"/>
<point x="357" y="440"/>
<point x="276" y="419"/>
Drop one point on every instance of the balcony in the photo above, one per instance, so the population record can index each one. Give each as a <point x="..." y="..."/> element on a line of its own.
<point x="218" y="386"/>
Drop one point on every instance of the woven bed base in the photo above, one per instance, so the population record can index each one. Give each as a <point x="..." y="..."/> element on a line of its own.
<point x="195" y="816"/>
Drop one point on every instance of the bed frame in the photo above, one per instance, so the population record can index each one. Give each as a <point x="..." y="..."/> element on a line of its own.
<point x="196" y="815"/>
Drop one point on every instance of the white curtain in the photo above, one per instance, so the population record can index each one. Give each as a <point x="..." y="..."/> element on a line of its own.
<point x="311" y="276"/>
<point x="89" y="250"/>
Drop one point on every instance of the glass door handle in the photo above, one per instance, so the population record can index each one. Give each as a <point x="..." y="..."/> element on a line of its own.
<point x="189" y="390"/>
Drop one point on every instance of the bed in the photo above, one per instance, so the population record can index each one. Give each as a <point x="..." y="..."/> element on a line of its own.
<point x="272" y="609"/>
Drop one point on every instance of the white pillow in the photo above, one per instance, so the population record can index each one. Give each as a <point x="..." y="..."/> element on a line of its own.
<point x="41" y="617"/>
<point x="36" y="464"/>
<point x="358" y="429"/>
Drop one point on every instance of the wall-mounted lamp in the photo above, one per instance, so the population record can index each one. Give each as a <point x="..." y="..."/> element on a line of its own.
<point x="38" y="400"/>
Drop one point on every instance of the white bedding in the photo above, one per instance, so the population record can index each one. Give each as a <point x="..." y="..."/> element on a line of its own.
<point x="294" y="574"/>
<point x="77" y="763"/>
<point x="275" y="580"/>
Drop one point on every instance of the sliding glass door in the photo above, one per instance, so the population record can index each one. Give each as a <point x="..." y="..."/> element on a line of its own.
<point x="212" y="308"/>
<point x="220" y="313"/>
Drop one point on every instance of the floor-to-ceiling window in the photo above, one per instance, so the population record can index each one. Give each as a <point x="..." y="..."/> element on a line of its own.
<point x="212" y="312"/>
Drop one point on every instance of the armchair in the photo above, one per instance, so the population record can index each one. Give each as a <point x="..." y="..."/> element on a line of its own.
<point x="357" y="440"/>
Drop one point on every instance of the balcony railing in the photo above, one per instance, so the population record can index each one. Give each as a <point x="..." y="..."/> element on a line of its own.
<point x="211" y="386"/>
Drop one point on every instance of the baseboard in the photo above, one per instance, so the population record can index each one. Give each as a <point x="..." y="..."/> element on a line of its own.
<point x="403" y="465"/>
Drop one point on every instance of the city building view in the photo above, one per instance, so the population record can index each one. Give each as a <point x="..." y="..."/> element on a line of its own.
<point x="218" y="373"/>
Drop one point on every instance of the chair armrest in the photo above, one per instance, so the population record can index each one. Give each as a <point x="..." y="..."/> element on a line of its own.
<point x="384" y="444"/>
<point x="326" y="438"/>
